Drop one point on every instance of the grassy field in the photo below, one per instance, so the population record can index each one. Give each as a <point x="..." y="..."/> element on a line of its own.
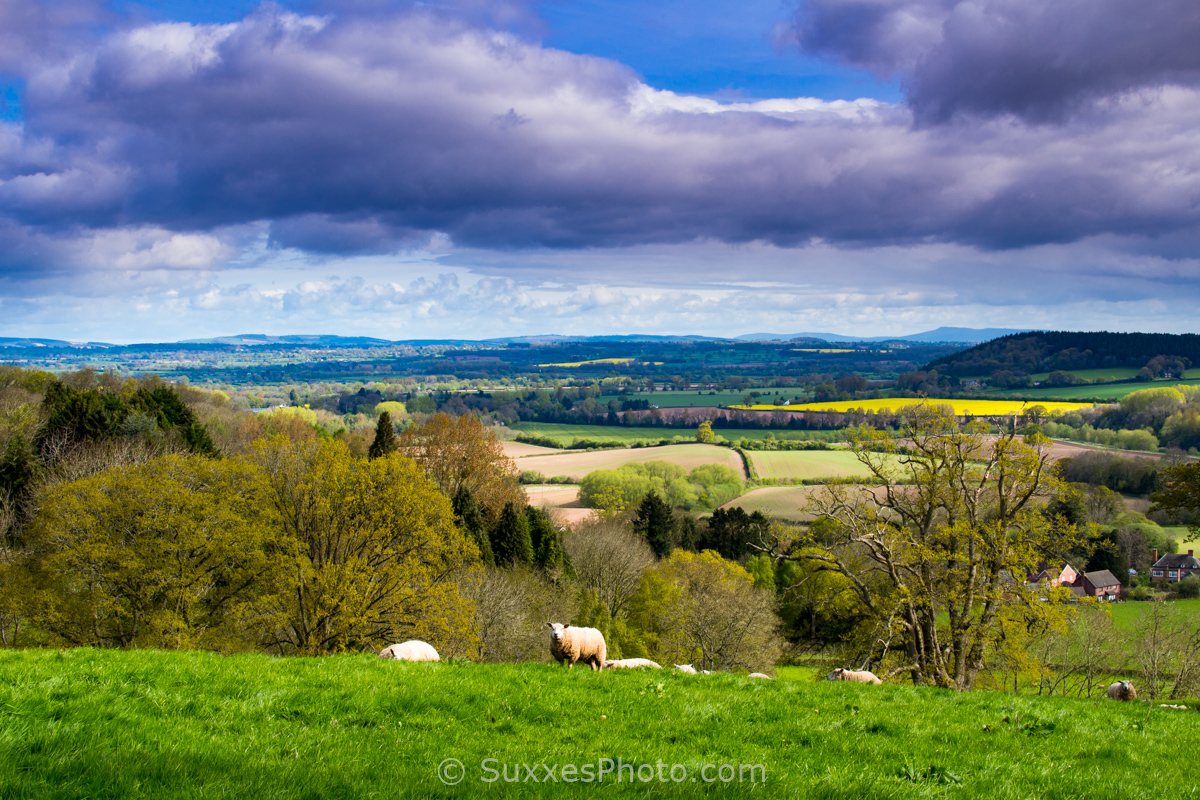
<point x="1102" y="393"/>
<point x="685" y="399"/>
<point x="961" y="407"/>
<point x="806" y="464"/>
<point x="120" y="724"/>
<point x="1129" y="614"/>
<point x="579" y="463"/>
<point x="619" y="433"/>
<point x="1187" y="541"/>
<point x="778" y="502"/>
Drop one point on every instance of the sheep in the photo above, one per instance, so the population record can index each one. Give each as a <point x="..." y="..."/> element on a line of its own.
<point x="687" y="669"/>
<point x="1122" y="690"/>
<point x="858" y="676"/>
<point x="759" y="675"/>
<point x="631" y="663"/>
<point x="412" y="650"/>
<point x="569" y="645"/>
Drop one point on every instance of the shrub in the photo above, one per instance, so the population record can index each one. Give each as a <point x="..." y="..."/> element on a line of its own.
<point x="1189" y="587"/>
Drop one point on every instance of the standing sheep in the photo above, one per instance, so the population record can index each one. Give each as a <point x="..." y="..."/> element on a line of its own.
<point x="569" y="645"/>
<point x="412" y="650"/>
<point x="1122" y="690"/>
<point x="631" y="663"/>
<point x="858" y="676"/>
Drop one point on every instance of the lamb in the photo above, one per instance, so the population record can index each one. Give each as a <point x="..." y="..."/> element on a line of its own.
<point x="687" y="669"/>
<point x="858" y="676"/>
<point x="631" y="663"/>
<point x="412" y="650"/>
<point x="1122" y="690"/>
<point x="759" y="675"/>
<point x="569" y="645"/>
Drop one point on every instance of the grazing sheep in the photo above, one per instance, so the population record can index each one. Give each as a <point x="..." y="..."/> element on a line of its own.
<point x="858" y="676"/>
<point x="412" y="650"/>
<point x="686" y="668"/>
<point x="569" y="645"/>
<point x="631" y="663"/>
<point x="759" y="675"/>
<point x="1122" y="690"/>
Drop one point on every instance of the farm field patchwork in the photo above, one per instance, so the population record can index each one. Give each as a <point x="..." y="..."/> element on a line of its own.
<point x="961" y="407"/>
<point x="682" y="399"/>
<point x="146" y="724"/>
<point x="1109" y="393"/>
<point x="566" y="434"/>
<point x="577" y="464"/>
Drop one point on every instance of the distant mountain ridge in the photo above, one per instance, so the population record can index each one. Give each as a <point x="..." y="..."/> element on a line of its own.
<point x="944" y="334"/>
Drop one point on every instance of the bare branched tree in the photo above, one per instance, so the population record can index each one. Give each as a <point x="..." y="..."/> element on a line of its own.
<point x="608" y="560"/>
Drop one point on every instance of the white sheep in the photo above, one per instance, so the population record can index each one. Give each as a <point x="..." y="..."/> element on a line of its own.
<point x="631" y="663"/>
<point x="1122" y="690"/>
<point x="759" y="675"/>
<point x="412" y="650"/>
<point x="687" y="669"/>
<point x="569" y="645"/>
<point x="858" y="676"/>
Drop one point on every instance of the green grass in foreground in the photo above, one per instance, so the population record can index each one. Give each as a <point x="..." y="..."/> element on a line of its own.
<point x="100" y="724"/>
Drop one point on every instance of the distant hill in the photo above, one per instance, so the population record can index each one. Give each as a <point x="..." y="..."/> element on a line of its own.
<point x="55" y="343"/>
<point x="965" y="335"/>
<point x="1049" y="351"/>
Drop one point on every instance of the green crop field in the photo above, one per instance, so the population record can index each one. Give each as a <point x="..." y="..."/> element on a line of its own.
<point x="1101" y="392"/>
<point x="144" y="724"/>
<point x="778" y="502"/>
<point x="806" y="464"/>
<point x="618" y="433"/>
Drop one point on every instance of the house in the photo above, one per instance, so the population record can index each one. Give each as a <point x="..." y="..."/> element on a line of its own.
<point x="1054" y="574"/>
<point x="1102" y="585"/>
<point x="1174" y="567"/>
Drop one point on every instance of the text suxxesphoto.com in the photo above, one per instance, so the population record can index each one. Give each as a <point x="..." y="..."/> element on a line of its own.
<point x="452" y="771"/>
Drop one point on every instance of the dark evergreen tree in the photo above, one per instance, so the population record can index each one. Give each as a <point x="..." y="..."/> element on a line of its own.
<point x="547" y="550"/>
<point x="1107" y="555"/>
<point x="510" y="537"/>
<point x="470" y="519"/>
<point x="655" y="521"/>
<point x="732" y="531"/>
<point x="385" y="441"/>
<point x="687" y="533"/>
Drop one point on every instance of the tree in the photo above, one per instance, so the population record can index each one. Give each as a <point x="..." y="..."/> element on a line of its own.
<point x="470" y="519"/>
<point x="700" y="608"/>
<point x="385" y="442"/>
<point x="733" y="533"/>
<point x="654" y="520"/>
<point x="547" y="549"/>
<point x="460" y="451"/>
<point x="704" y="433"/>
<point x="163" y="554"/>
<point x="1107" y="554"/>
<point x="368" y="553"/>
<point x="937" y="551"/>
<point x="608" y="560"/>
<point x="511" y="542"/>
<point x="1181" y="492"/>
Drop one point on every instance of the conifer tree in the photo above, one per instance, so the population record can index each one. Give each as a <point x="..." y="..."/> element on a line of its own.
<point x="655" y="521"/>
<point x="547" y="551"/>
<point x="385" y="438"/>
<point x="510" y="537"/>
<point x="470" y="519"/>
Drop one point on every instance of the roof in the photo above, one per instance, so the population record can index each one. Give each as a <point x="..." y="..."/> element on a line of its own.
<point x="1101" y="579"/>
<point x="1177" y="561"/>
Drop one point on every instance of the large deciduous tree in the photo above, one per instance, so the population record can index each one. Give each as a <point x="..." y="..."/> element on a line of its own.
<point x="369" y="553"/>
<point x="1181" y="491"/>
<point x="938" y="552"/>
<point x="460" y="451"/>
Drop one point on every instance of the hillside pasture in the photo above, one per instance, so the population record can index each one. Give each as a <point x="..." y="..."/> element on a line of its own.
<point x="151" y="724"/>
<point x="777" y="502"/>
<point x="806" y="464"/>
<point x="577" y="464"/>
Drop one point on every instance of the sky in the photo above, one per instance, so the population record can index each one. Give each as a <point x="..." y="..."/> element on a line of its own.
<point x="483" y="168"/>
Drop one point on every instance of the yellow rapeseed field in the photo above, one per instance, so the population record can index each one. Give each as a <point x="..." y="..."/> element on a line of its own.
<point x="975" y="408"/>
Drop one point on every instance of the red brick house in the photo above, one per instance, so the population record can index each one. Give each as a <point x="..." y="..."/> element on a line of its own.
<point x="1174" y="567"/>
<point x="1102" y="585"/>
<point x="1054" y="574"/>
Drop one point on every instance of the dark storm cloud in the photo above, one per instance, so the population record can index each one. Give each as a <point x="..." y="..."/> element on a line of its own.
<point x="1039" y="59"/>
<point x="357" y="134"/>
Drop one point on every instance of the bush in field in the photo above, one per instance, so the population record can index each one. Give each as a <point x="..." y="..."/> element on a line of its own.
<point x="710" y="485"/>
